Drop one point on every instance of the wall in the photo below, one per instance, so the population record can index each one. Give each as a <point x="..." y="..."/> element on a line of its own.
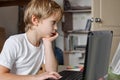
<point x="9" y="19"/>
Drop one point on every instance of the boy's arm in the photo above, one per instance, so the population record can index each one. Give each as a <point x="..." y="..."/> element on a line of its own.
<point x="50" y="60"/>
<point x="6" y="75"/>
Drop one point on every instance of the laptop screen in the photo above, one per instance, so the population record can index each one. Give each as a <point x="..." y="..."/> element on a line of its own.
<point x="97" y="54"/>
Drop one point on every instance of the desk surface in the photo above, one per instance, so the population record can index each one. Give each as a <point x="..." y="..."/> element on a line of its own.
<point x="73" y="68"/>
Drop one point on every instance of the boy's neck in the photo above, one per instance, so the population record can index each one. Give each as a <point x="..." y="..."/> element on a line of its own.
<point x="33" y="39"/>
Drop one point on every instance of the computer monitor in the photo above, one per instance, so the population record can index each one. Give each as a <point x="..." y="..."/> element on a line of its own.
<point x="97" y="55"/>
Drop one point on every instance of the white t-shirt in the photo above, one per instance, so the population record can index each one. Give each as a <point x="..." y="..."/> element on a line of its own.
<point x="20" y="56"/>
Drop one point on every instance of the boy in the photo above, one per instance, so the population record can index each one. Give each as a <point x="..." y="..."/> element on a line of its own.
<point x="23" y="54"/>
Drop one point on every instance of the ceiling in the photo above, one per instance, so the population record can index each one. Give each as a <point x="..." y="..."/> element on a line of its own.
<point x="4" y="3"/>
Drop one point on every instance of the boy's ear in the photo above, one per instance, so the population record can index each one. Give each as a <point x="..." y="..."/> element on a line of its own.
<point x="35" y="20"/>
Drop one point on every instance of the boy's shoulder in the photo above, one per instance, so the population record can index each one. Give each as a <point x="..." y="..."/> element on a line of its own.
<point x="19" y="37"/>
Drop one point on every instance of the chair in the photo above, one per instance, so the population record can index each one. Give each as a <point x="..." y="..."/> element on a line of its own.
<point x="2" y="37"/>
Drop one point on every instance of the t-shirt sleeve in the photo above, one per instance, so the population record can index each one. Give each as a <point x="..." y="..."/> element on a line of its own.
<point x="8" y="53"/>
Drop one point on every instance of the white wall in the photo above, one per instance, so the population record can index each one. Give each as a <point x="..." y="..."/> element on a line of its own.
<point x="9" y="19"/>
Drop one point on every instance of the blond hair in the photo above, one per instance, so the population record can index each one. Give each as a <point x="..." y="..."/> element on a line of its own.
<point x="41" y="9"/>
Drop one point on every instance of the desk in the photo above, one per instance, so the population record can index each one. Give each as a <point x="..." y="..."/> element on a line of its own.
<point x="72" y="68"/>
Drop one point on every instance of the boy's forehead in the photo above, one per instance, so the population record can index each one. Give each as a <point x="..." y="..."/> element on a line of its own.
<point x="54" y="18"/>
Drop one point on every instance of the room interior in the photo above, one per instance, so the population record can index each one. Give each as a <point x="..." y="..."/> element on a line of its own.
<point x="76" y="14"/>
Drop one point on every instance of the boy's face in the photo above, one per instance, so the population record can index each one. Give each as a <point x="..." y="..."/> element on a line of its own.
<point x="47" y="27"/>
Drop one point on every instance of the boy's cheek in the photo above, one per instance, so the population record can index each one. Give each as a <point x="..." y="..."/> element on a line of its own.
<point x="46" y="36"/>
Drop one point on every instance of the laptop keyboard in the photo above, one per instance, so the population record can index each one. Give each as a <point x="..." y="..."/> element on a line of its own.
<point x="70" y="75"/>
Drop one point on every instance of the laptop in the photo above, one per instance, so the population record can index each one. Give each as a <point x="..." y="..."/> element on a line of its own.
<point x="96" y="58"/>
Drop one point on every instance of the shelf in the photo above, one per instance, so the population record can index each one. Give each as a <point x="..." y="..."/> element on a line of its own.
<point x="75" y="51"/>
<point x="78" y="32"/>
<point x="78" y="11"/>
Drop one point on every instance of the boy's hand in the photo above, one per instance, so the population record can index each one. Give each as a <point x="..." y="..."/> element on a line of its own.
<point x="48" y="75"/>
<point x="51" y="38"/>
